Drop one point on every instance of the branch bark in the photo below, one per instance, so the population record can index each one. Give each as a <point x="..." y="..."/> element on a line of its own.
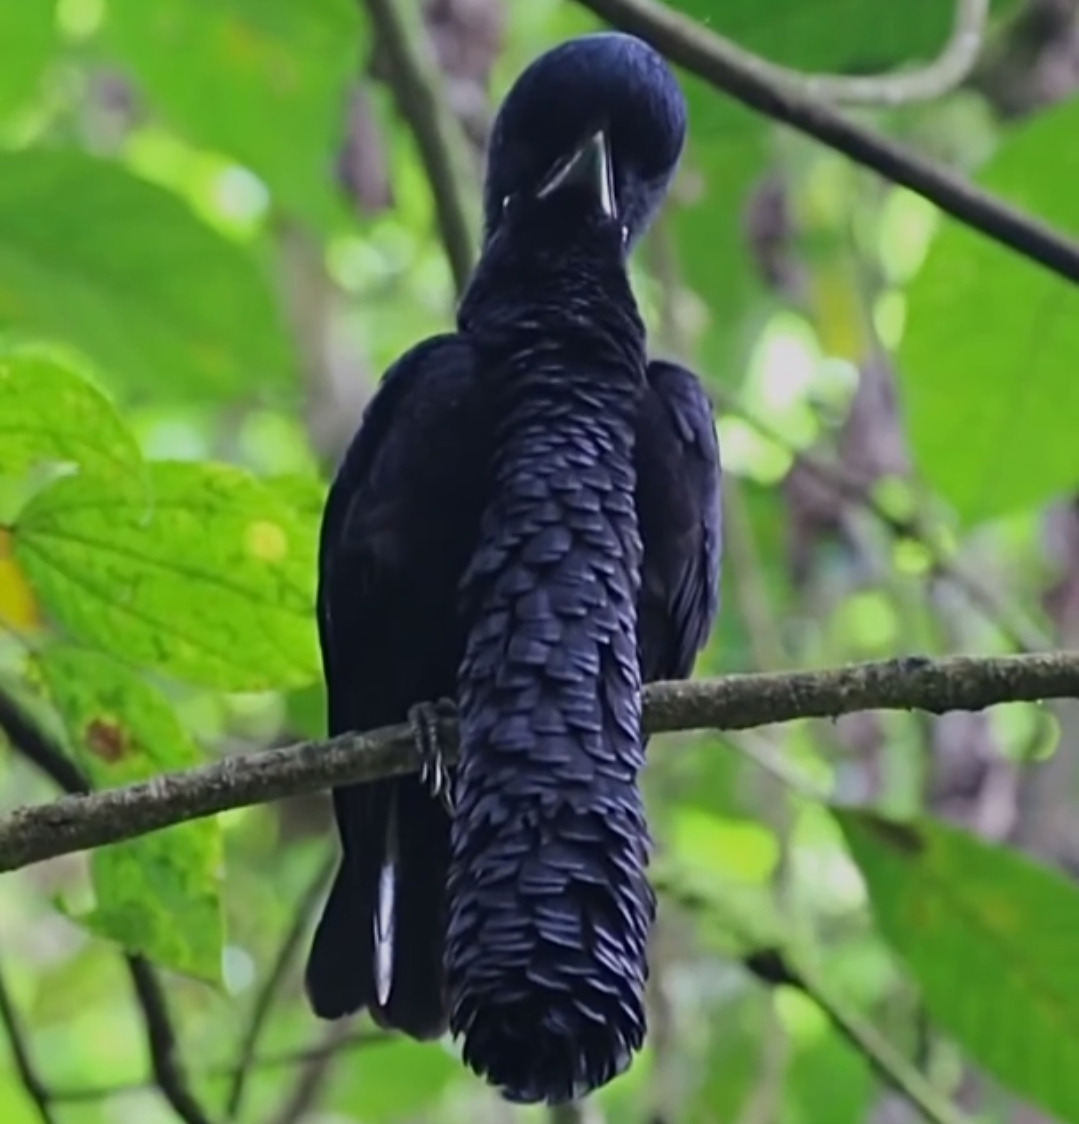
<point x="753" y="82"/>
<point x="415" y="82"/>
<point x="735" y="702"/>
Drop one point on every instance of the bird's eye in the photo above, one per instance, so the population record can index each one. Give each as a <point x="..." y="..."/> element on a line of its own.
<point x="506" y="203"/>
<point x="625" y="235"/>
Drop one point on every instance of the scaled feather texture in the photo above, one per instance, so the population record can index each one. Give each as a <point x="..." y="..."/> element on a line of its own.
<point x="549" y="908"/>
<point x="527" y="523"/>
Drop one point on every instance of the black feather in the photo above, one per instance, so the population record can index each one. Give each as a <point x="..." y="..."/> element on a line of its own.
<point x="528" y="521"/>
<point x="549" y="907"/>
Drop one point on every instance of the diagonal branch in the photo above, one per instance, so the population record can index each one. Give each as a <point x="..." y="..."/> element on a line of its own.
<point x="772" y="967"/>
<point x="735" y="702"/>
<point x="414" y="80"/>
<point x="753" y="82"/>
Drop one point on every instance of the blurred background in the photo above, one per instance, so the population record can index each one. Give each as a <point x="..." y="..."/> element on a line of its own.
<point x="218" y="211"/>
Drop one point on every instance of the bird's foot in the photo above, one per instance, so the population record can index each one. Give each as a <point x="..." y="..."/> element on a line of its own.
<point x="424" y="718"/>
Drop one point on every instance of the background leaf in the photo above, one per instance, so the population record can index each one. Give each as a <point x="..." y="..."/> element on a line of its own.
<point x="51" y="412"/>
<point x="27" y="32"/>
<point x="242" y="310"/>
<point x="211" y="580"/>
<point x="730" y="148"/>
<point x="18" y="607"/>
<point x="265" y="81"/>
<point x="159" y="895"/>
<point x="990" y="938"/>
<point x="103" y="261"/>
<point x="392" y="1080"/>
<point x="987" y="365"/>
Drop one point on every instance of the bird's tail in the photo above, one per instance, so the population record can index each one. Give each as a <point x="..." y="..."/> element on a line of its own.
<point x="378" y="944"/>
<point x="548" y="904"/>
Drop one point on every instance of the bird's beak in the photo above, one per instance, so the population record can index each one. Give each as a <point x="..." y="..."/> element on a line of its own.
<point x="590" y="166"/>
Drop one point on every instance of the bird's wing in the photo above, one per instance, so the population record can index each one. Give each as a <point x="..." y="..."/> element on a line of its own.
<point x="678" y="501"/>
<point x="398" y="526"/>
<point x="396" y="498"/>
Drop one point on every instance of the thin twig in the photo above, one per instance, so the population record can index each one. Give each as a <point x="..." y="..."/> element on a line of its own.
<point x="40" y="750"/>
<point x="1013" y="623"/>
<point x="161" y="1038"/>
<point x="769" y="654"/>
<point x="312" y="1076"/>
<point x="773" y="966"/>
<point x="354" y="1040"/>
<point x="750" y="80"/>
<point x="414" y="79"/>
<point x="734" y="702"/>
<point x="35" y="1088"/>
<point x="267" y="994"/>
<point x="36" y="746"/>
<point x="945" y="73"/>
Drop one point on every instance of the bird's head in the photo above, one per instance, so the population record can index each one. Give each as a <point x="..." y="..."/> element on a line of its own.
<point x="601" y="115"/>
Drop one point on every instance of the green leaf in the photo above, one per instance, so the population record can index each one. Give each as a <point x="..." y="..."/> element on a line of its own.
<point x="211" y="580"/>
<point x="122" y="270"/>
<point x="49" y="412"/>
<point x="736" y="1057"/>
<point x="990" y="938"/>
<point x="829" y="1082"/>
<point x="265" y="81"/>
<point x="392" y="1081"/>
<point x="988" y="359"/>
<point x="28" y="33"/>
<point x="159" y="895"/>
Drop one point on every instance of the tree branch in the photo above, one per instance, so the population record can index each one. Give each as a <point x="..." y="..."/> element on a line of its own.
<point x="735" y="702"/>
<point x="414" y="80"/>
<point x="753" y="82"/>
<point x="40" y="750"/>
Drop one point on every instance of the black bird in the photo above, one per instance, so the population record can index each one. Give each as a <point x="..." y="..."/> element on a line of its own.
<point x="527" y="524"/>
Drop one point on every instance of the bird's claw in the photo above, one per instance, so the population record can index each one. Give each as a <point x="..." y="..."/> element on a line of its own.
<point x="424" y="718"/>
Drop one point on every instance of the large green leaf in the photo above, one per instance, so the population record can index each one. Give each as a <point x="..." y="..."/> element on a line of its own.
<point x="264" y="81"/>
<point x="990" y="938"/>
<point x="210" y="579"/>
<point x="51" y="413"/>
<point x="159" y="895"/>
<point x="988" y="362"/>
<point x="124" y="271"/>
<point x="28" y="33"/>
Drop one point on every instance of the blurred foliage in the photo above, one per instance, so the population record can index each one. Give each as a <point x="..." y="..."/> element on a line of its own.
<point x="215" y="233"/>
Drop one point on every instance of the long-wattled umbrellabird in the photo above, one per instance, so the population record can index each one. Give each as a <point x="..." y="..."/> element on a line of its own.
<point x="527" y="525"/>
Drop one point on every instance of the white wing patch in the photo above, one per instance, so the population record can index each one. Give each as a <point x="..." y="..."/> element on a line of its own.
<point x="384" y="913"/>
